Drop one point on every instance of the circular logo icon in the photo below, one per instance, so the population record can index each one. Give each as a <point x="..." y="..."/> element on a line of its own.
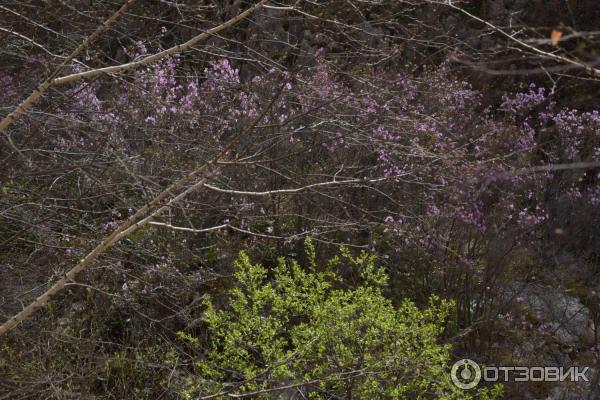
<point x="465" y="374"/>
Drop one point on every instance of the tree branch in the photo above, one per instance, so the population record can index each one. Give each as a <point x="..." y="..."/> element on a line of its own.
<point x="155" y="57"/>
<point x="137" y="220"/>
<point x="294" y="190"/>
<point x="42" y="87"/>
<point x="588" y="69"/>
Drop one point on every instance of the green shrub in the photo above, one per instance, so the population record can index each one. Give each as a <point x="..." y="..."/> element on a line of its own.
<point x="304" y="329"/>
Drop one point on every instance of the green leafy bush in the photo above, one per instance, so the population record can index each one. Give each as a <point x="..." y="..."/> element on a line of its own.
<point x="305" y="329"/>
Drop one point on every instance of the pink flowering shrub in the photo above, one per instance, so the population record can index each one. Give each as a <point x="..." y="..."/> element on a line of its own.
<point x="453" y="191"/>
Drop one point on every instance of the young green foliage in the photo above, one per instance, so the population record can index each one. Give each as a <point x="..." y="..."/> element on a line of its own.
<point x="304" y="327"/>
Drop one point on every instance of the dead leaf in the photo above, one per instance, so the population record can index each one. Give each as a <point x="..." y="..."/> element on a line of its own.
<point x="555" y="37"/>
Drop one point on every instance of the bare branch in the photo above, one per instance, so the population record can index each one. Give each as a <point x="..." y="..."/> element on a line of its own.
<point x="155" y="57"/>
<point x="588" y="69"/>
<point x="295" y="190"/>
<point x="42" y="87"/>
<point x="201" y="174"/>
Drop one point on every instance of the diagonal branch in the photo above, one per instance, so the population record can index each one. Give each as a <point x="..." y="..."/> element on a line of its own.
<point x="142" y="217"/>
<point x="52" y="80"/>
<point x="49" y="81"/>
<point x="165" y="53"/>
<point x="29" y="40"/>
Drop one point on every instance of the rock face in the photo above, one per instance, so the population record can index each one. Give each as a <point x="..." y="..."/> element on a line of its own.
<point x="568" y="320"/>
<point x="556" y="329"/>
